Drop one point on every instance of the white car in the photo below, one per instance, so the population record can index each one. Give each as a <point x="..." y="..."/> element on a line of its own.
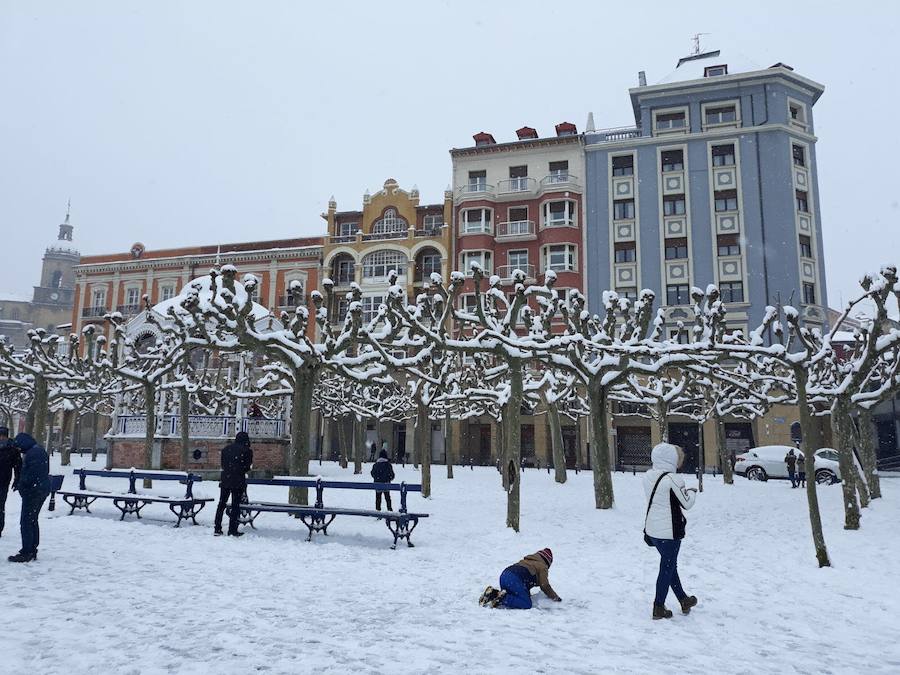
<point x="767" y="461"/>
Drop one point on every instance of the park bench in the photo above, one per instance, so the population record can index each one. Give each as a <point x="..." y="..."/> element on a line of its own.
<point x="318" y="517"/>
<point x="183" y="508"/>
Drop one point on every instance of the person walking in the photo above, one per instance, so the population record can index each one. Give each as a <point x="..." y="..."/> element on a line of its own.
<point x="237" y="459"/>
<point x="664" y="524"/>
<point x="10" y="466"/>
<point x="801" y="469"/>
<point x="791" y="460"/>
<point x="516" y="582"/>
<point x="34" y="487"/>
<point x="382" y="472"/>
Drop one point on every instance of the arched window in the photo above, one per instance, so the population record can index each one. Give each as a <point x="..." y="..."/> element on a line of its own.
<point x="427" y="262"/>
<point x="56" y="280"/>
<point x="390" y="223"/>
<point x="377" y="265"/>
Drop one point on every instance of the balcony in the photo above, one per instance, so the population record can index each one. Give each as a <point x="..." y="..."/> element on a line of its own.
<point x="560" y="180"/>
<point x="476" y="190"/>
<point x="341" y="239"/>
<point x="433" y="231"/>
<point x="515" y="229"/>
<point x="129" y="310"/>
<point x="93" y="312"/>
<point x="381" y="236"/>
<point x="505" y="272"/>
<point x="559" y="222"/>
<point x="516" y="185"/>
<point x="614" y="134"/>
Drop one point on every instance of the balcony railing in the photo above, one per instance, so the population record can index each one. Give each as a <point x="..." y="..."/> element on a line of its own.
<point x="292" y="300"/>
<point x="515" y="228"/>
<point x="476" y="228"/>
<point x="558" y="179"/>
<point x="614" y="134"/>
<point x="433" y="231"/>
<point x="506" y="272"/>
<point x="129" y="310"/>
<point x="476" y="188"/>
<point x="200" y="426"/>
<point x="559" y="222"/>
<point x="380" y="236"/>
<point x="343" y="279"/>
<point x="89" y="312"/>
<point x="520" y="184"/>
<point x="342" y="239"/>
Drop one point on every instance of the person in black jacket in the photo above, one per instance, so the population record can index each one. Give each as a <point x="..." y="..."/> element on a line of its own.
<point x="34" y="487"/>
<point x="382" y="472"/>
<point x="10" y="466"/>
<point x="237" y="458"/>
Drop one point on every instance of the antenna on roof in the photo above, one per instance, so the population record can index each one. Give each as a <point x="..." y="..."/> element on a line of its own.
<point x="695" y="42"/>
<point x="68" y="209"/>
<point x="218" y="255"/>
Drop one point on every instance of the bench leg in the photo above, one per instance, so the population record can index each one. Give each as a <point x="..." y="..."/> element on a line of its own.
<point x="127" y="506"/>
<point x="317" y="524"/>
<point x="78" y="502"/>
<point x="402" y="528"/>
<point x="246" y="516"/>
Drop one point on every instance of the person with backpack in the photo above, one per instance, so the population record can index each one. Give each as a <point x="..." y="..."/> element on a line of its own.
<point x="664" y="524"/>
<point x="516" y="582"/>
<point x="34" y="488"/>
<point x="791" y="460"/>
<point x="237" y="459"/>
<point x="382" y="472"/>
<point x="801" y="469"/>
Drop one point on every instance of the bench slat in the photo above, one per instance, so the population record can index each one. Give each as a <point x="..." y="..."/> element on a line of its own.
<point x="136" y="496"/>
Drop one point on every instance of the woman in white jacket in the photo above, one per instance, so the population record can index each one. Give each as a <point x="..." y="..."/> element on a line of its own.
<point x="664" y="525"/>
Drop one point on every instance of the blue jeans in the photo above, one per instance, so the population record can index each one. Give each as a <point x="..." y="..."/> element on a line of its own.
<point x="516" y="580"/>
<point x="31" y="509"/>
<point x="668" y="570"/>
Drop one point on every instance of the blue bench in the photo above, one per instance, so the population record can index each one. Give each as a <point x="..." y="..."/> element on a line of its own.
<point x="183" y="508"/>
<point x="317" y="518"/>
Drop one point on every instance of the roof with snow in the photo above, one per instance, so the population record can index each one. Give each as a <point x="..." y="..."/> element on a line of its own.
<point x="694" y="67"/>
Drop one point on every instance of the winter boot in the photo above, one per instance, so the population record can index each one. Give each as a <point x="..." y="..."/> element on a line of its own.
<point x="660" y="612"/>
<point x="497" y="600"/>
<point x="687" y="603"/>
<point x="235" y="534"/>
<point x="20" y="558"/>
<point x="487" y="596"/>
<point x="218" y="533"/>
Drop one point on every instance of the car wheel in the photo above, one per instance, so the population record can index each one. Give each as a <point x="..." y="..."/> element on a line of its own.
<point x="825" y="477"/>
<point x="756" y="473"/>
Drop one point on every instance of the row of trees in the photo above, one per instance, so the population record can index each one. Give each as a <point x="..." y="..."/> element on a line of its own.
<point x="431" y="358"/>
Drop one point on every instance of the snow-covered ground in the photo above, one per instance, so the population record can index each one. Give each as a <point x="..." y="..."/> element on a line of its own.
<point x="143" y="597"/>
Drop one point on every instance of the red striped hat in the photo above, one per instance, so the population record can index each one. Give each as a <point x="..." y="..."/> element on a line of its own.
<point x="547" y="555"/>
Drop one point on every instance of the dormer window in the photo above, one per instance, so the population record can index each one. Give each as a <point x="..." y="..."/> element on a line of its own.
<point x="715" y="71"/>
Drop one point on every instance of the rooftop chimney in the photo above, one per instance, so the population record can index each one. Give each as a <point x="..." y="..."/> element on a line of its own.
<point x="642" y="78"/>
<point x="525" y="133"/>
<point x="566" y="129"/>
<point x="483" y="138"/>
<point x="590" y="123"/>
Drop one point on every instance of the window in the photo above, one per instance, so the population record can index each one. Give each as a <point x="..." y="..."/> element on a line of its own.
<point x="726" y="200"/>
<point x="56" y="280"/>
<point x="469" y="304"/>
<point x="623" y="166"/>
<point x="627" y="292"/>
<point x="676" y="248"/>
<point x="626" y="252"/>
<point x="477" y="181"/>
<point x="797" y="113"/>
<point x="671" y="121"/>
<point x="560" y="258"/>
<point x="477" y="220"/>
<point x="672" y="160"/>
<point x="679" y="335"/>
<point x="347" y="229"/>
<point x="166" y="293"/>
<point x="721" y="115"/>
<point x="729" y="244"/>
<point x="559" y="172"/>
<point x="673" y="205"/>
<point x="390" y="223"/>
<point x="98" y="298"/>
<point x="517" y="214"/>
<point x="731" y="291"/>
<point x="342" y="308"/>
<point x="799" y="155"/>
<point x="132" y="296"/>
<point x="294" y="295"/>
<point x="678" y="294"/>
<point x="802" y="201"/>
<point x="723" y="155"/>
<point x="715" y="71"/>
<point x="481" y="258"/>
<point x="370" y="305"/>
<point x="809" y="293"/>
<point x="428" y="264"/>
<point x="805" y="246"/>
<point x="344" y="271"/>
<point x="518" y="260"/>
<point x="433" y="221"/>
<point x="14" y="314"/>
<point x="623" y="209"/>
<point x="378" y="264"/>
<point x="559" y="213"/>
<point x="518" y="178"/>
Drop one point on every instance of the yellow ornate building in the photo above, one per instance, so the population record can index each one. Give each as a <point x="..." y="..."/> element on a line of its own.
<point x="391" y="232"/>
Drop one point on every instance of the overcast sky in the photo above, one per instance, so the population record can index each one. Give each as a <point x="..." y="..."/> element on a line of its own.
<point x="180" y="123"/>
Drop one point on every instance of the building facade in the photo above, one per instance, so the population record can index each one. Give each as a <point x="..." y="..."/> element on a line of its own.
<point x="715" y="183"/>
<point x="50" y="305"/>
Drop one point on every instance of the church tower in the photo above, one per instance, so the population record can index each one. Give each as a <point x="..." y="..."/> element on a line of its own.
<point x="54" y="297"/>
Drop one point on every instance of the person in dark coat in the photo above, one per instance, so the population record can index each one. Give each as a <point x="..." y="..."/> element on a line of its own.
<point x="791" y="460"/>
<point x="10" y="466"/>
<point x="34" y="487"/>
<point x="237" y="458"/>
<point x="382" y="472"/>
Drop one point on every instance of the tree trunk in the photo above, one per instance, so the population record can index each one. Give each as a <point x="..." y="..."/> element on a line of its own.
<point x="809" y="464"/>
<point x="423" y="441"/>
<point x="867" y="452"/>
<point x="301" y="410"/>
<point x="68" y="421"/>
<point x="95" y="423"/>
<point x="184" y="409"/>
<point x="448" y="446"/>
<point x="603" y="487"/>
<point x="150" y="428"/>
<point x="556" y="444"/>
<point x="501" y="452"/>
<point x="344" y="442"/>
<point x="326" y="439"/>
<point x="843" y="441"/>
<point x="662" y="422"/>
<point x="513" y="415"/>
<point x="862" y="485"/>
<point x="38" y="413"/>
<point x="722" y="450"/>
